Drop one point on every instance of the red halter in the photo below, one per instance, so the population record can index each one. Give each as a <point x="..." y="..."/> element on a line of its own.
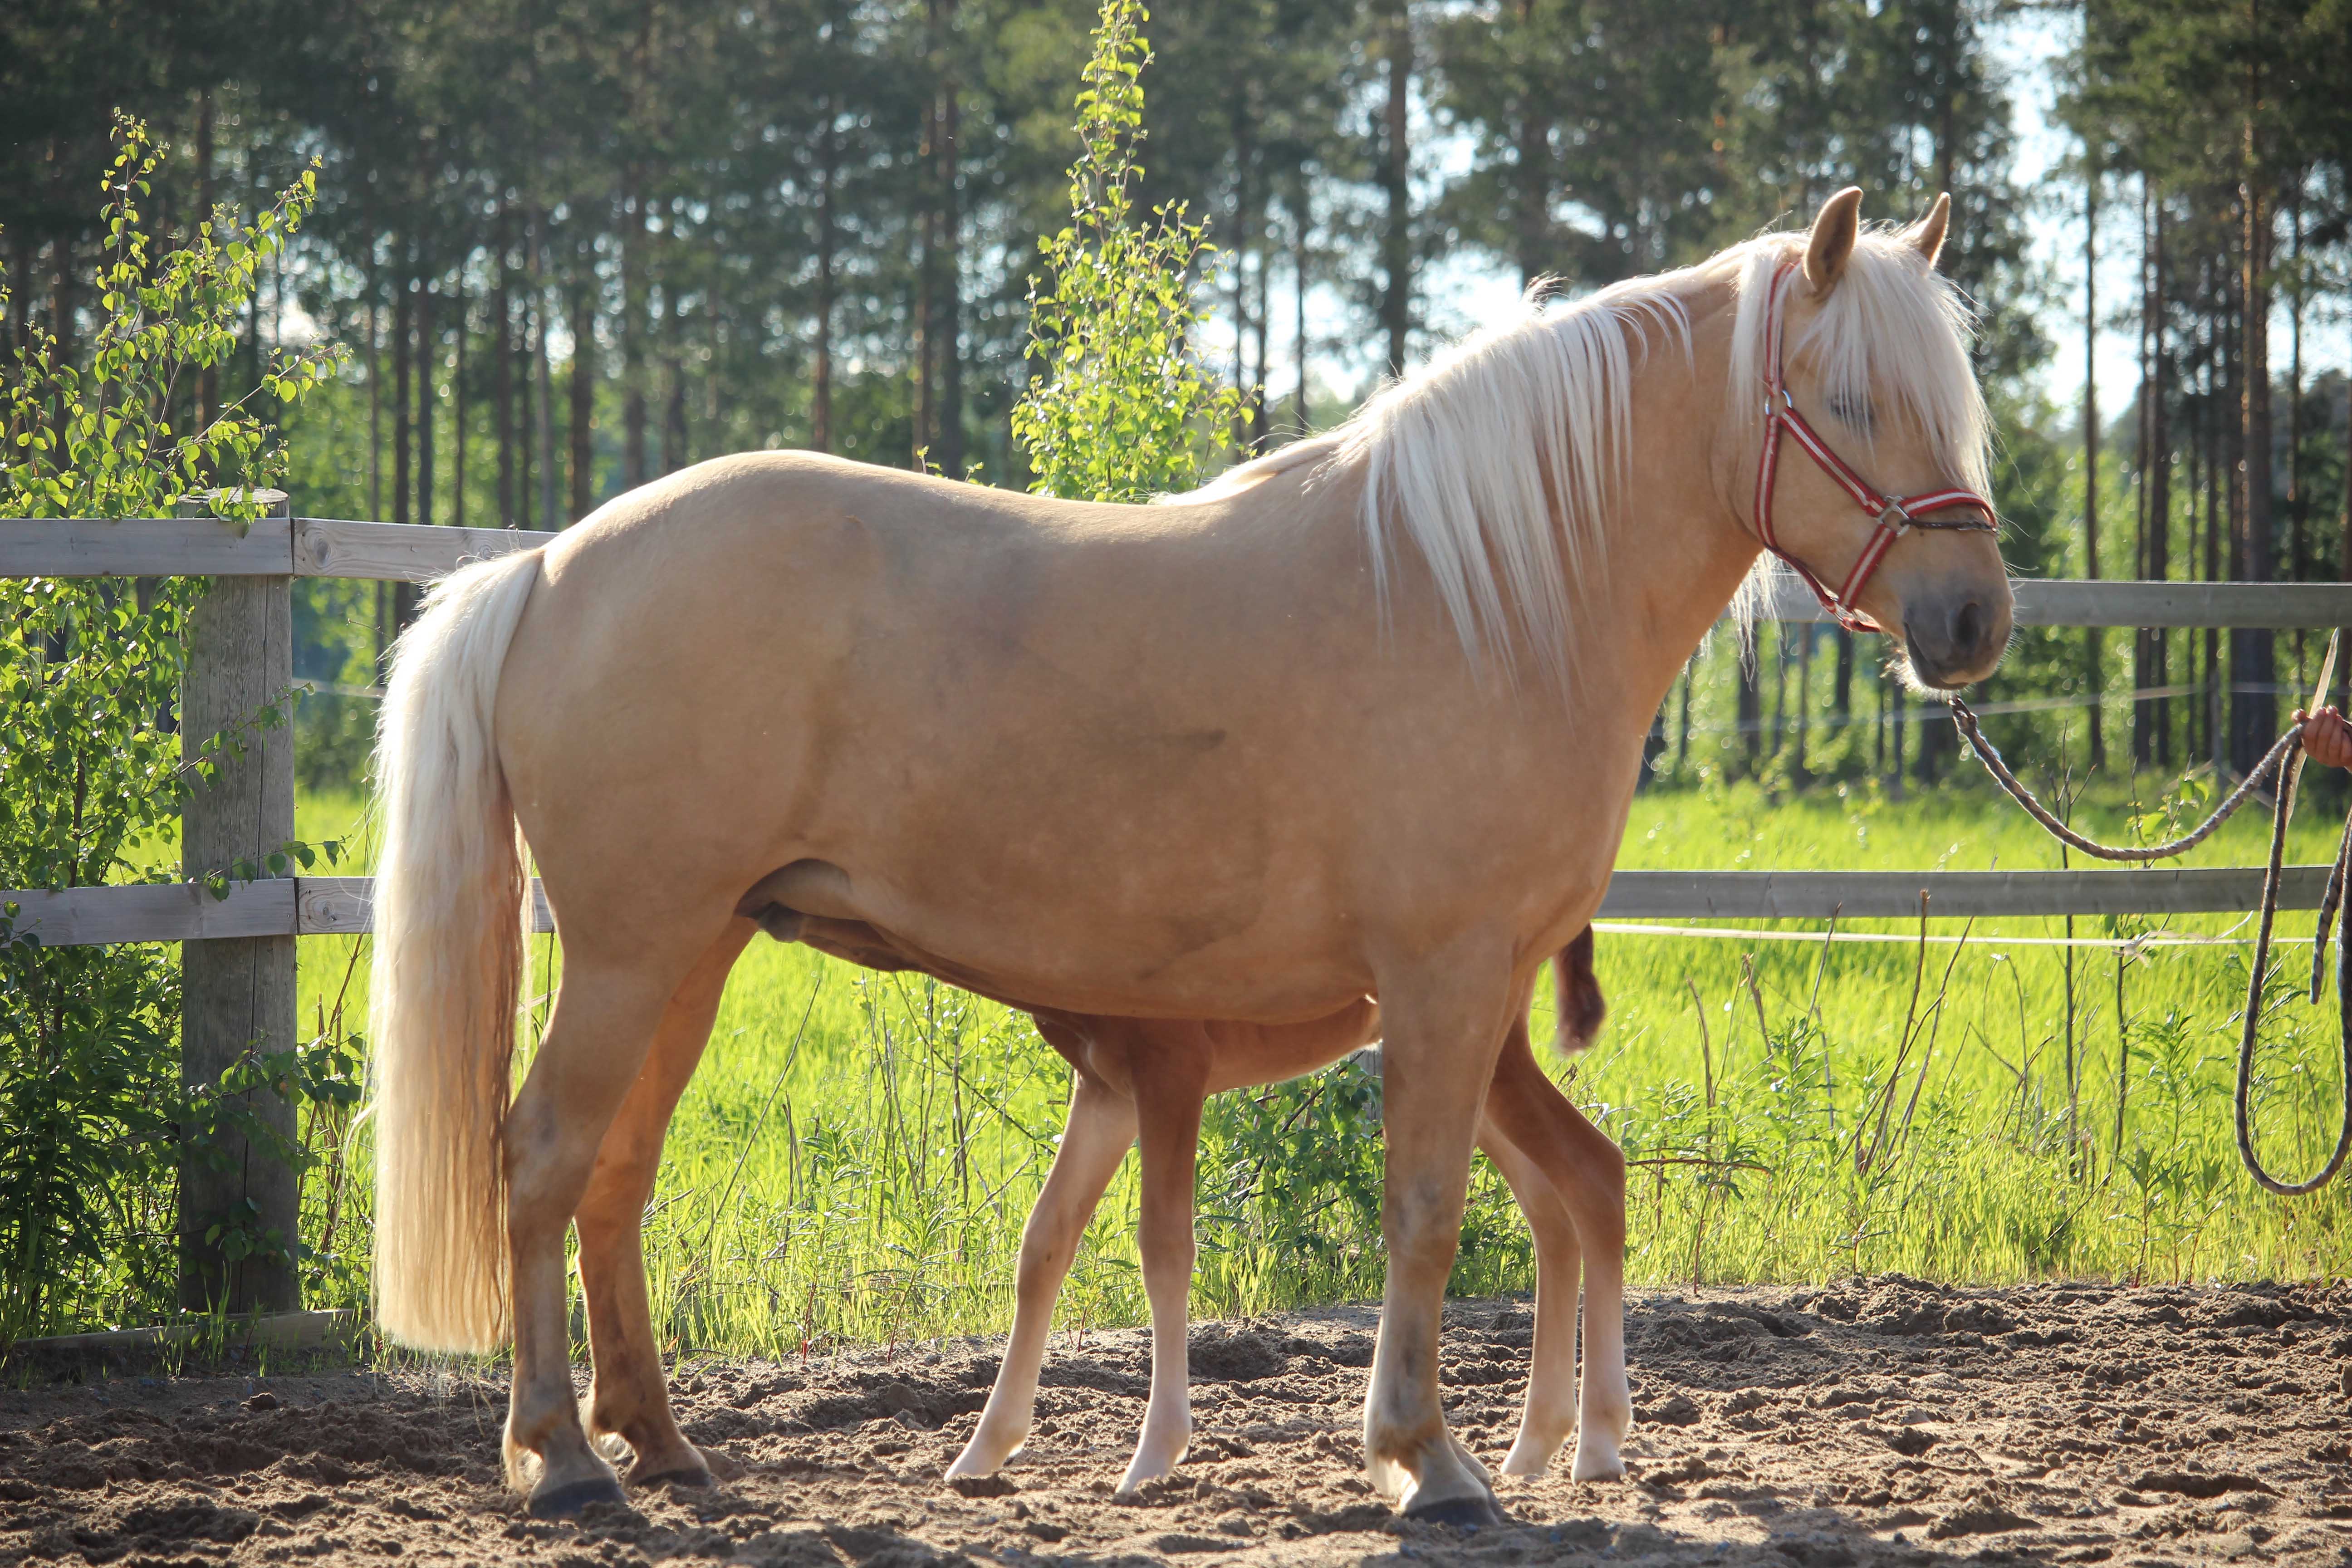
<point x="1895" y="515"/>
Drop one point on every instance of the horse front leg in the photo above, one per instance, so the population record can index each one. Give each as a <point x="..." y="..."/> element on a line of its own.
<point x="606" y="1014"/>
<point x="628" y="1397"/>
<point x="1170" y="1081"/>
<point x="1445" y="1021"/>
<point x="1095" y="1140"/>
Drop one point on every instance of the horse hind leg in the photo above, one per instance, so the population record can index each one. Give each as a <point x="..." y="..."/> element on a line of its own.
<point x="1095" y="1140"/>
<point x="1549" y="1412"/>
<point x="1170" y="1080"/>
<point x="628" y="1398"/>
<point x="606" y="1014"/>
<point x="1586" y="1174"/>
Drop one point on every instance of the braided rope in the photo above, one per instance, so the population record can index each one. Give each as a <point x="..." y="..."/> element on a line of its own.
<point x="1965" y="719"/>
<point x="2289" y="745"/>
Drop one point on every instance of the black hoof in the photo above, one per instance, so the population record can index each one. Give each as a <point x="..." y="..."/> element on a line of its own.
<point x="1461" y="1512"/>
<point x="568" y="1501"/>
<point x="685" y="1476"/>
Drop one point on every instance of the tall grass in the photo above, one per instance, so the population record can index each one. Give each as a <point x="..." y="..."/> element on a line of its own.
<point x="857" y="1152"/>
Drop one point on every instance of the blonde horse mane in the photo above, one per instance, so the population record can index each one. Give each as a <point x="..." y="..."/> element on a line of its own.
<point x="1501" y="461"/>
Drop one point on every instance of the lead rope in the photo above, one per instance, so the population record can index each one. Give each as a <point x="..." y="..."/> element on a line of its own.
<point x="2276" y="760"/>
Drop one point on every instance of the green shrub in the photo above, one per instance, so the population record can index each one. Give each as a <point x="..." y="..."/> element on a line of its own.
<point x="1120" y="408"/>
<point x="92" y="774"/>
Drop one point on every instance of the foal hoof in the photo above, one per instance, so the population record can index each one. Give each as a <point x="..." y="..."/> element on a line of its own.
<point x="569" y="1501"/>
<point x="1462" y="1512"/>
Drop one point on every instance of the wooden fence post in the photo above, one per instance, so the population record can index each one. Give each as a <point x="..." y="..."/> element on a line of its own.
<point x="237" y="995"/>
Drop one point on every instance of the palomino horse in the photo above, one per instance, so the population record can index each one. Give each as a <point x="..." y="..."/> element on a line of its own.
<point x="1152" y="1075"/>
<point x="1363" y="718"/>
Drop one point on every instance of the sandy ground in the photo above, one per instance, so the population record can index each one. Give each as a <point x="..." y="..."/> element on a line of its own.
<point x="1877" y="1421"/>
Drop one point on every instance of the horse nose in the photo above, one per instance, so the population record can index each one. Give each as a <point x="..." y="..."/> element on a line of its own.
<point x="1969" y="624"/>
<point x="1953" y="647"/>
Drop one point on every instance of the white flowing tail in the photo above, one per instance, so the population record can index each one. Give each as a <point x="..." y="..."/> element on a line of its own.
<point x="451" y="924"/>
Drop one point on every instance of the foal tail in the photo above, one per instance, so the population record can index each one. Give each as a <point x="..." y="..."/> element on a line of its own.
<point x="450" y="930"/>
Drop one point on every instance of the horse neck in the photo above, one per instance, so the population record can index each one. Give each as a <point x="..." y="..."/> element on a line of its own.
<point x="1675" y="551"/>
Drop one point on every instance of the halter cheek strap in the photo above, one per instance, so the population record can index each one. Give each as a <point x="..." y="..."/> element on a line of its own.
<point x="1895" y="515"/>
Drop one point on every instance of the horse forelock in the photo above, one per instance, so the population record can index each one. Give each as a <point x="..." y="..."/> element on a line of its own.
<point x="1892" y="326"/>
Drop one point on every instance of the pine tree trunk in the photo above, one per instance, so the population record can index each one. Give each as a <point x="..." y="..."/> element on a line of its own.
<point x="404" y="321"/>
<point x="1302" y="213"/>
<point x="2255" y="708"/>
<point x="1749" y="714"/>
<point x="503" y="368"/>
<point x="2093" y="672"/>
<point x="457" y="403"/>
<point x="1532" y="172"/>
<point x="1394" y="173"/>
<point x="2153" y="741"/>
<point x="828" y="174"/>
<point x="428" y="356"/>
<point x="208" y="378"/>
<point x="584" y="396"/>
<point x="673" y="446"/>
<point x="633" y="245"/>
<point x="948" y="291"/>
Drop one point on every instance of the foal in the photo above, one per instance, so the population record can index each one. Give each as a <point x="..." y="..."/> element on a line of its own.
<point x="1153" y="1075"/>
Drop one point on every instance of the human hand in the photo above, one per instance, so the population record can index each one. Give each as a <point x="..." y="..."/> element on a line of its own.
<point x="2327" y="736"/>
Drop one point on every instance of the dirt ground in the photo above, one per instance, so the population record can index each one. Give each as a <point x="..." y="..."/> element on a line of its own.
<point x="1878" y="1421"/>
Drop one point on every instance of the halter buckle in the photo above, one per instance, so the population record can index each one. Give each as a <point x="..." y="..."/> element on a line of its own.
<point x="1894" y="519"/>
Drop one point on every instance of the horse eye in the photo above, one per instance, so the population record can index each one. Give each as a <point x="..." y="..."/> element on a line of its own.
<point x="1851" y="409"/>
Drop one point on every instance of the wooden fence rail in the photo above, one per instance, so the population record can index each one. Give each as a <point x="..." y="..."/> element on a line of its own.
<point x="339" y="905"/>
<point x="407" y="553"/>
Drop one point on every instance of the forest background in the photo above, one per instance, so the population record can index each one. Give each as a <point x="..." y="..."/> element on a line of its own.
<point x="577" y="245"/>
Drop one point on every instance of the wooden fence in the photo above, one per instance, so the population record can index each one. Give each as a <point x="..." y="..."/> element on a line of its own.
<point x="238" y="964"/>
<point x="278" y="549"/>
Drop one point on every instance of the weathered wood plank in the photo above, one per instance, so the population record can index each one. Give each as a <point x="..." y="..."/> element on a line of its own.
<point x="338" y="906"/>
<point x="342" y="906"/>
<point x="1878" y="895"/>
<point x="336" y="1328"/>
<point x="391" y="551"/>
<point x="144" y="547"/>
<point x="237" y="997"/>
<point x="2072" y="602"/>
<point x="329" y="547"/>
<point x="169" y="912"/>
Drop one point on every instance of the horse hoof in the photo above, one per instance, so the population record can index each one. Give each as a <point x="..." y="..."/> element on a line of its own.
<point x="1462" y="1512"/>
<point x="694" y="1476"/>
<point x="567" y="1502"/>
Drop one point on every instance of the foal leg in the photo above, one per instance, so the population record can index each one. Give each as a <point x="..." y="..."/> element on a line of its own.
<point x="1445" y="1019"/>
<point x="628" y="1397"/>
<point x="1548" y="1414"/>
<point x="1586" y="1173"/>
<point x="1101" y="1126"/>
<point x="606" y="1016"/>
<point x="1170" y="1082"/>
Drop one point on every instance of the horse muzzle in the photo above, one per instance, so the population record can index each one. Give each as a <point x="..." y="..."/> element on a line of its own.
<point x="1956" y="639"/>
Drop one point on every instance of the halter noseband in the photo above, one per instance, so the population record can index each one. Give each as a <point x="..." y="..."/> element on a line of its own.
<point x="1895" y="515"/>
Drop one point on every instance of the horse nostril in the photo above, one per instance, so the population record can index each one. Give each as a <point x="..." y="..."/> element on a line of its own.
<point x="1968" y="626"/>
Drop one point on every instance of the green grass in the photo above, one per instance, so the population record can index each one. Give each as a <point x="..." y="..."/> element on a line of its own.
<point x="857" y="1152"/>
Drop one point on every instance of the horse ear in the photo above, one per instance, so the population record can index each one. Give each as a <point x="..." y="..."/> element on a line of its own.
<point x="1927" y="235"/>
<point x="1834" y="229"/>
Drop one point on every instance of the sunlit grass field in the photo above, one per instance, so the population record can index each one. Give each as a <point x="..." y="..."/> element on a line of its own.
<point x="857" y="1152"/>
